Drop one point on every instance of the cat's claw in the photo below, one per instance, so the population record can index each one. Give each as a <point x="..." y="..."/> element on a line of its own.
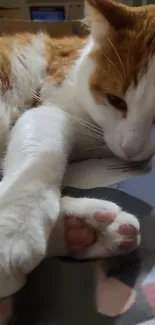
<point x="102" y="229"/>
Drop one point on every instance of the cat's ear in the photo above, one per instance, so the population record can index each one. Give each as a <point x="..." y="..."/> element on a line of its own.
<point x="108" y="14"/>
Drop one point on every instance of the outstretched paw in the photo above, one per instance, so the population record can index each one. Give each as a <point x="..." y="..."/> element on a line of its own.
<point x="97" y="228"/>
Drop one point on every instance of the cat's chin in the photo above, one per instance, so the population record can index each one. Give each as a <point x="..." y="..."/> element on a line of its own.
<point x="6" y="311"/>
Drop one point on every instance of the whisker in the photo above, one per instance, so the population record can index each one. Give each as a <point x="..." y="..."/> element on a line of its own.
<point x="119" y="58"/>
<point x="112" y="77"/>
<point x="98" y="135"/>
<point x="90" y="126"/>
<point x="112" y="64"/>
<point x="95" y="148"/>
<point x="106" y="137"/>
<point x="92" y="135"/>
<point x="116" y="80"/>
<point x="86" y="124"/>
<point x="128" y="60"/>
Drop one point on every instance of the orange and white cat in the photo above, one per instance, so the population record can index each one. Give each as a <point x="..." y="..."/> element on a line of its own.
<point x="90" y="91"/>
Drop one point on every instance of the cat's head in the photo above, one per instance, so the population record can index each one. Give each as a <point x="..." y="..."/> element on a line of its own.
<point x="119" y="65"/>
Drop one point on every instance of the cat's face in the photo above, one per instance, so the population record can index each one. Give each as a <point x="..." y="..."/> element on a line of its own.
<point x="121" y="81"/>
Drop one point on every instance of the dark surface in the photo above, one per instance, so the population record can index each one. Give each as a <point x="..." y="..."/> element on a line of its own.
<point x="62" y="291"/>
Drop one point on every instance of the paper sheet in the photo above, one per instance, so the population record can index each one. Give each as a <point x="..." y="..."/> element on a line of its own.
<point x="102" y="172"/>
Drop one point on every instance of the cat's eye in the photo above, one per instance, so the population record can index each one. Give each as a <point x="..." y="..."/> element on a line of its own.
<point x="117" y="102"/>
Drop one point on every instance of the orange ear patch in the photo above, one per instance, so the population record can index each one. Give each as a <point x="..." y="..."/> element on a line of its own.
<point x="123" y="53"/>
<point x="117" y="14"/>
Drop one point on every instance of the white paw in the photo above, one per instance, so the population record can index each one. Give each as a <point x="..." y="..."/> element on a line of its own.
<point x="25" y="227"/>
<point x="117" y="236"/>
<point x="20" y="251"/>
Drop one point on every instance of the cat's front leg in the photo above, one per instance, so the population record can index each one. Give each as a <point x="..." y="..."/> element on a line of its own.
<point x="116" y="232"/>
<point x="30" y="193"/>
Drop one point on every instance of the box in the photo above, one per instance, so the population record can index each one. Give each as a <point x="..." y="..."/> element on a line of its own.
<point x="55" y="29"/>
<point x="11" y="13"/>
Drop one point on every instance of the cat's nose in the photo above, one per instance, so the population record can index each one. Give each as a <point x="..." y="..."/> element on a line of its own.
<point x="130" y="151"/>
<point x="132" y="144"/>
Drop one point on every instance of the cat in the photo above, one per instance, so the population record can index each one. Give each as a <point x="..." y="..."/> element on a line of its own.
<point x="60" y="98"/>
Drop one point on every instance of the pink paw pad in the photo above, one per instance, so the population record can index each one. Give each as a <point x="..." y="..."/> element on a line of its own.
<point x="79" y="235"/>
<point x="130" y="232"/>
<point x="105" y="217"/>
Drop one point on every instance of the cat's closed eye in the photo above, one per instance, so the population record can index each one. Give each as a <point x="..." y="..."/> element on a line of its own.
<point x="117" y="102"/>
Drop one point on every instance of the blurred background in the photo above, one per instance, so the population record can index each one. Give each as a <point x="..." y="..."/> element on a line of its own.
<point x="50" y="10"/>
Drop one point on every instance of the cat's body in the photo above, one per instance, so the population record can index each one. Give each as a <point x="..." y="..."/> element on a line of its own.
<point x="64" y="100"/>
<point x="37" y="75"/>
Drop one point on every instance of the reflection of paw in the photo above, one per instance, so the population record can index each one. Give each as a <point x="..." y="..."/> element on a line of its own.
<point x="117" y="232"/>
<point x="113" y="297"/>
<point x="6" y="311"/>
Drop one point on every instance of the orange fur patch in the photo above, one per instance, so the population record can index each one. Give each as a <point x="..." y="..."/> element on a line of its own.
<point x="6" y="43"/>
<point x="124" y="52"/>
<point x="61" y="54"/>
<point x="5" y="64"/>
<point x="23" y="39"/>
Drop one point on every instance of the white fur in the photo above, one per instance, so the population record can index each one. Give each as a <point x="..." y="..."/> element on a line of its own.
<point x="30" y="192"/>
<point x="39" y="146"/>
<point x="29" y="70"/>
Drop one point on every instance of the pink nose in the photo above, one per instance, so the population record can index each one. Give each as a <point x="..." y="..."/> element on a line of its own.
<point x="131" y="153"/>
